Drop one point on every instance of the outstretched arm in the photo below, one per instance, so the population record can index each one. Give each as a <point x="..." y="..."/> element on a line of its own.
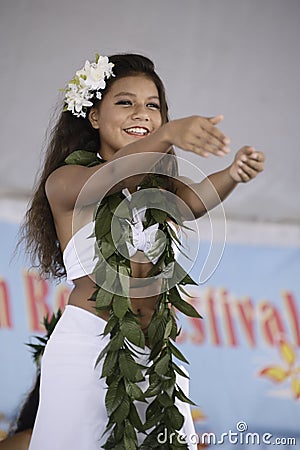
<point x="202" y="197"/>
<point x="129" y="164"/>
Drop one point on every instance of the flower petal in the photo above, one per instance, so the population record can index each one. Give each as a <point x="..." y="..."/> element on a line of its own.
<point x="197" y="414"/>
<point x="275" y="373"/>
<point x="296" y="387"/>
<point x="87" y="83"/>
<point x="287" y="352"/>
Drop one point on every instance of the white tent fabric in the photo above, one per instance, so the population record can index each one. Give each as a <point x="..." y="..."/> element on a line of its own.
<point x="235" y="57"/>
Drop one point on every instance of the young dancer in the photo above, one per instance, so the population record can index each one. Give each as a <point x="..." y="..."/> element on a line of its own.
<point x="113" y="132"/>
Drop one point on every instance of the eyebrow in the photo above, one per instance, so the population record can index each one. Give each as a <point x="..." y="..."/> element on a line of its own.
<point x="124" y="93"/>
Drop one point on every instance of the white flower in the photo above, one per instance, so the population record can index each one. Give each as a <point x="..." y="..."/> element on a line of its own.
<point x="92" y="76"/>
<point x="77" y="99"/>
<point x="106" y="66"/>
<point x="87" y="83"/>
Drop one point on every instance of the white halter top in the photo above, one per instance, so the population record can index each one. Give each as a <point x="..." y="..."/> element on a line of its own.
<point x="79" y="255"/>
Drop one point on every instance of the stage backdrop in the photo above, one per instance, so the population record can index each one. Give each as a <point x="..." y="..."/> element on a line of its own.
<point x="244" y="353"/>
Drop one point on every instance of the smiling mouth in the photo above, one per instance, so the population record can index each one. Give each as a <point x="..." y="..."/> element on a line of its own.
<point x="137" y="131"/>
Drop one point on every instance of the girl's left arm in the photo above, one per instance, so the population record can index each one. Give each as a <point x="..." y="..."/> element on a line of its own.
<point x="203" y="196"/>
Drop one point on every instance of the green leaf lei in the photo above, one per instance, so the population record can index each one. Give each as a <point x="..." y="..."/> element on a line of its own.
<point x="121" y="368"/>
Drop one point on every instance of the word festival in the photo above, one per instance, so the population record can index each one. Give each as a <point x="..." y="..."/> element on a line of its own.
<point x="228" y="321"/>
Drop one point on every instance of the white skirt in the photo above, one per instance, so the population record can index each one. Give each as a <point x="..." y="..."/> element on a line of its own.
<point x="72" y="413"/>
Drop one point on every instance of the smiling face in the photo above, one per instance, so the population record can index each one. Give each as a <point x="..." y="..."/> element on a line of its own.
<point x="130" y="110"/>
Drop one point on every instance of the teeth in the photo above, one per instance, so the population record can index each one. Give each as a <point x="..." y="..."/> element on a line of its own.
<point x="135" y="130"/>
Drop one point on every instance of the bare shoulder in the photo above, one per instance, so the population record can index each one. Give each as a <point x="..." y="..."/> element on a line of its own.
<point x="64" y="175"/>
<point x="64" y="184"/>
<point x="64" y="187"/>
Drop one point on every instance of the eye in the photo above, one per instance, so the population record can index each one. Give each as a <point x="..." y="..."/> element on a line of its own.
<point x="124" y="102"/>
<point x="153" y="105"/>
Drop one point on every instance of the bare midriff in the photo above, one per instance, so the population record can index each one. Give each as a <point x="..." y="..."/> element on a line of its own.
<point x="143" y="294"/>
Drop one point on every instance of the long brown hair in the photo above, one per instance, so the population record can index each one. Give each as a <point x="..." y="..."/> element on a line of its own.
<point x="73" y="133"/>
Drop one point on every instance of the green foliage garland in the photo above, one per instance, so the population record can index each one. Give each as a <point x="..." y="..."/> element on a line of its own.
<point x="121" y="366"/>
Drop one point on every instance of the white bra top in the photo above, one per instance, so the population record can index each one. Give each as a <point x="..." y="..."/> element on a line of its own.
<point x="79" y="255"/>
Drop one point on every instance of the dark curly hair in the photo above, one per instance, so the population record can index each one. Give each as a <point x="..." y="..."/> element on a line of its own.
<point x="72" y="133"/>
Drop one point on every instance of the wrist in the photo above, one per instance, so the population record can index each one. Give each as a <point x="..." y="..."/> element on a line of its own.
<point x="232" y="174"/>
<point x="165" y="134"/>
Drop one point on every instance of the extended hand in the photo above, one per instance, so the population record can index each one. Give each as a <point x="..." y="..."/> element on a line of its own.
<point x="247" y="163"/>
<point x="198" y="134"/>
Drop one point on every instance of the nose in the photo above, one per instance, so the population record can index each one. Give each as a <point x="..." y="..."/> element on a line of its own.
<point x="140" y="113"/>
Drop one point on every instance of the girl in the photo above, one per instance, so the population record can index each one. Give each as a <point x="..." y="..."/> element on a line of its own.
<point x="115" y="130"/>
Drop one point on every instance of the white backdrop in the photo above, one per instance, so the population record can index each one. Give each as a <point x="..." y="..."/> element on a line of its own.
<point x="236" y="57"/>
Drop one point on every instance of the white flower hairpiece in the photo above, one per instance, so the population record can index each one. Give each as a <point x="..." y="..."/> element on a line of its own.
<point x="87" y="82"/>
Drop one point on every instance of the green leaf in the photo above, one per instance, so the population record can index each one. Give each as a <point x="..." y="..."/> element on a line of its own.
<point x="110" y="325"/>
<point x="182" y="276"/>
<point x="181" y="396"/>
<point x="102" y="221"/>
<point x="123" y="210"/>
<point x="156" y="328"/>
<point x="161" y="367"/>
<point x="153" y="409"/>
<point x="173" y="235"/>
<point x="168" y="329"/>
<point x="134" y="391"/>
<point x="179" y="370"/>
<point x="151" y="441"/>
<point x="123" y="409"/>
<point x="107" y="248"/>
<point x="158" y="215"/>
<point x="169" y="385"/>
<point x="175" y="417"/>
<point x="116" y="342"/>
<point x="124" y="279"/>
<point x="100" y="268"/>
<point x="128" y="367"/>
<point x="114" y="200"/>
<point x="156" y="349"/>
<point x="158" y="246"/>
<point x="82" y="158"/>
<point x="111" y="276"/>
<point x="165" y="400"/>
<point x="174" y="332"/>
<point x="129" y="443"/>
<point x="114" y="397"/>
<point x="188" y="280"/>
<point x="177" y="353"/>
<point x="135" y="418"/>
<point x="155" y="385"/>
<point x="182" y="305"/>
<point x="113" y="345"/>
<point x="110" y="363"/>
<point x="150" y="423"/>
<point x="103" y="299"/>
<point x="153" y="390"/>
<point x="120" y="306"/>
<point x="132" y="331"/>
<point x="129" y="430"/>
<point x="184" y="292"/>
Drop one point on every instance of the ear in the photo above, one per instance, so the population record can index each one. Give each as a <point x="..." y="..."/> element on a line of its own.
<point x="93" y="118"/>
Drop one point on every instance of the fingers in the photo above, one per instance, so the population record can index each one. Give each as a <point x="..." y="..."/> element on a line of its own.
<point x="211" y="140"/>
<point x="250" y="162"/>
<point x="199" y="135"/>
<point x="211" y="146"/>
<point x="217" y="119"/>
